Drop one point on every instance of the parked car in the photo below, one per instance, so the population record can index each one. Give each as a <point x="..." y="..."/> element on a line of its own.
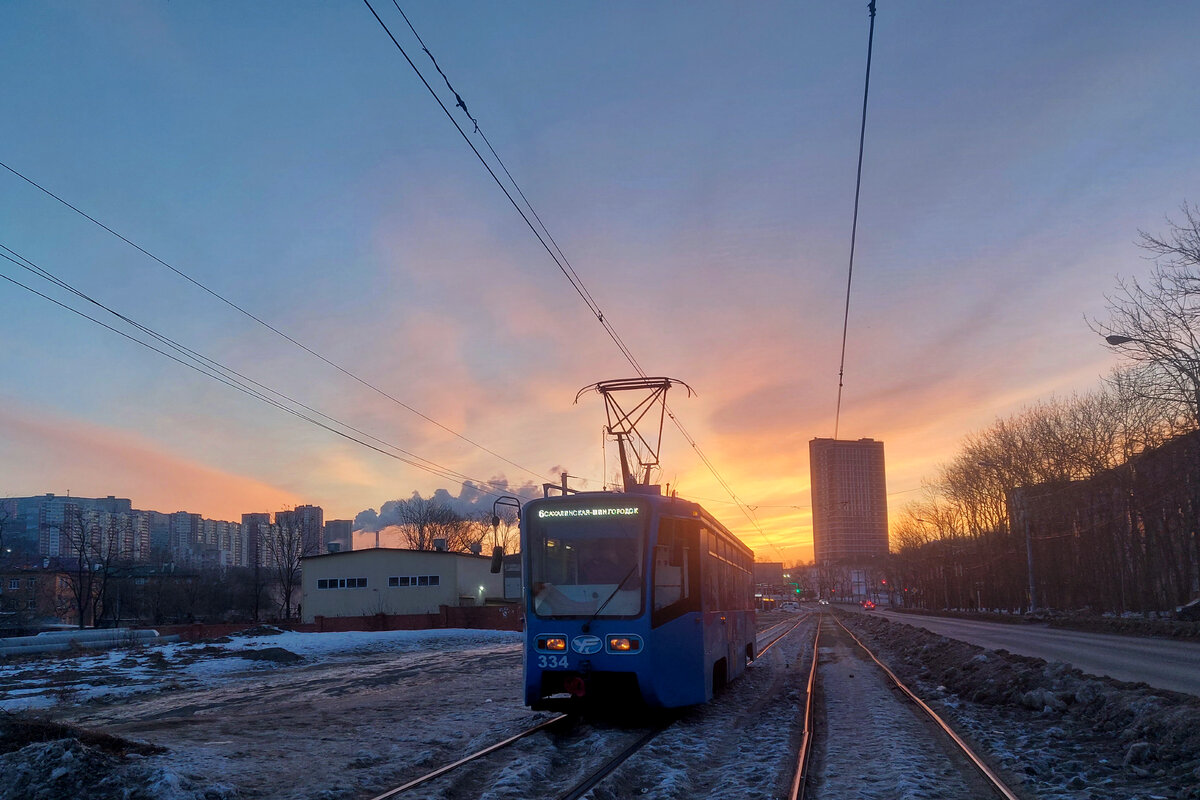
<point x="868" y="604"/>
<point x="1189" y="611"/>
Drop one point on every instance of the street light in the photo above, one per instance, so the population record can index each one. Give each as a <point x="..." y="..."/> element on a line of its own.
<point x="1167" y="354"/>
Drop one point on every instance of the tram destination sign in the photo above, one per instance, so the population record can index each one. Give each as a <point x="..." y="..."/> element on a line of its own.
<point x="587" y="511"/>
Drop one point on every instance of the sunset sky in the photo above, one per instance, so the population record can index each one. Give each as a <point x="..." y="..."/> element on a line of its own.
<point x="694" y="161"/>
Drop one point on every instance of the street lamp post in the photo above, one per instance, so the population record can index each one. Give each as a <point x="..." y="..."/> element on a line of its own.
<point x="1183" y="362"/>
<point x="1029" y="557"/>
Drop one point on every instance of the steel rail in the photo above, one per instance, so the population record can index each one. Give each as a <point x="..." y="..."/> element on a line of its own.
<point x="779" y="638"/>
<point x="609" y="766"/>
<point x="801" y="776"/>
<point x="767" y="631"/>
<point x="491" y="749"/>
<point x="983" y="768"/>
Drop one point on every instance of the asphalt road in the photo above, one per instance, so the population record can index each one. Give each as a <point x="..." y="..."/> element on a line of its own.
<point x="1161" y="663"/>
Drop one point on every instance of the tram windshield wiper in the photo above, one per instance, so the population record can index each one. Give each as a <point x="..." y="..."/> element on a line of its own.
<point x="607" y="600"/>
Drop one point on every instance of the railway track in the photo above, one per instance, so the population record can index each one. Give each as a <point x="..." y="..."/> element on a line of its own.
<point x="776" y="633"/>
<point x="606" y="748"/>
<point x="569" y="758"/>
<point x="561" y="719"/>
<point x="868" y="735"/>
<point x="818" y="711"/>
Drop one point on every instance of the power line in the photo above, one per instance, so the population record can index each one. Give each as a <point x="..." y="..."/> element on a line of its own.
<point x="576" y="283"/>
<point x="862" y="135"/>
<point x="266" y="324"/>
<point x="562" y="263"/>
<point x="236" y="380"/>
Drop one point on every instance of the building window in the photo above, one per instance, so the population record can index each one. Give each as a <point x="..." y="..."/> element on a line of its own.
<point x="404" y="581"/>
<point x="14" y="583"/>
<point x="31" y="583"/>
<point x="341" y="583"/>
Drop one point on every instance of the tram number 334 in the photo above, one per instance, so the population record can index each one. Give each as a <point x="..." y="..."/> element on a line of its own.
<point x="552" y="662"/>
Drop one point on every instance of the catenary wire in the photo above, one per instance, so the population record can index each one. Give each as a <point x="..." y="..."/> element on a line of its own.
<point x="266" y="324"/>
<point x="235" y="380"/>
<point x="591" y="301"/>
<point x="187" y="352"/>
<point x="575" y="282"/>
<point x="563" y="267"/>
<point x="862" y="135"/>
<point x="562" y="263"/>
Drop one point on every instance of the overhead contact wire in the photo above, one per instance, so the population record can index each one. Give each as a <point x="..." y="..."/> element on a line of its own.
<point x="563" y="263"/>
<point x="235" y="380"/>
<point x="862" y="135"/>
<point x="266" y="324"/>
<point x="575" y="282"/>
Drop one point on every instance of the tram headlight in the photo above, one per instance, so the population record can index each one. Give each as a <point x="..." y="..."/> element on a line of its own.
<point x="552" y="643"/>
<point x="624" y="644"/>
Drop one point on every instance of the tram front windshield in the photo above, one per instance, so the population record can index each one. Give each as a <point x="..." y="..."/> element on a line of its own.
<point x="586" y="560"/>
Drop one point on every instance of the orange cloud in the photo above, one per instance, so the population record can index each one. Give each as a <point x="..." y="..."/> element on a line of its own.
<point x="45" y="453"/>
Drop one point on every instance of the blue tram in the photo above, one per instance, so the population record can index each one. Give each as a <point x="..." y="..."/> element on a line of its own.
<point x="634" y="598"/>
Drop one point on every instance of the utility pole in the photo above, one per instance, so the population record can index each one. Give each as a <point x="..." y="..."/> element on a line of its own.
<point x="1029" y="552"/>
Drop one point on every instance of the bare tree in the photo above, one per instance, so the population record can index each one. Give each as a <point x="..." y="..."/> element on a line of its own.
<point x="285" y="544"/>
<point x="1156" y="323"/>
<point x="424" y="520"/>
<point x="507" y="533"/>
<point x="92" y="553"/>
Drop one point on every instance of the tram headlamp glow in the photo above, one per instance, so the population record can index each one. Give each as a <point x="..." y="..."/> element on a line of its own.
<point x="623" y="644"/>
<point x="552" y="643"/>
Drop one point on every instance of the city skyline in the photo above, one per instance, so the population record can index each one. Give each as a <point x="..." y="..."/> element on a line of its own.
<point x="697" y="169"/>
<point x="46" y="526"/>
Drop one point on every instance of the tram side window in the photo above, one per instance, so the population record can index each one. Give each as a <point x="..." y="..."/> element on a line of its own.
<point x="676" y="570"/>
<point x="728" y="590"/>
<point x="712" y="573"/>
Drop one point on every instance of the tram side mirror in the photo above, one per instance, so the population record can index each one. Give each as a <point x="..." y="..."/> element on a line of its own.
<point x="497" y="558"/>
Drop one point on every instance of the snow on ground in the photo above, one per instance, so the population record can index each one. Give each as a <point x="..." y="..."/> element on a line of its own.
<point x="114" y="674"/>
<point x="288" y="716"/>
<point x="270" y="715"/>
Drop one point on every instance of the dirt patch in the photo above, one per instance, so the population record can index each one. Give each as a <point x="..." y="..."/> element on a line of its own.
<point x="45" y="760"/>
<point x="17" y="732"/>
<point x="60" y="768"/>
<point x="259" y="630"/>
<point x="277" y="655"/>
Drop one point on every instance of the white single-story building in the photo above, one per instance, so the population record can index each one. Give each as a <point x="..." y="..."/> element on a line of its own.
<point x="386" y="580"/>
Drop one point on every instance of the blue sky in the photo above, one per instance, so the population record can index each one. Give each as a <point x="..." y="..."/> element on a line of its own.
<point x="695" y="162"/>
